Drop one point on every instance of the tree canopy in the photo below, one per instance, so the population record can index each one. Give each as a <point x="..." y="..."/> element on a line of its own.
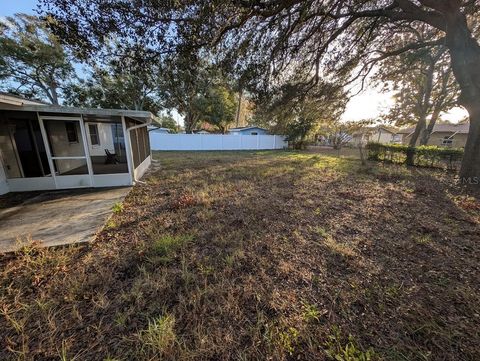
<point x="125" y="81"/>
<point x="32" y="60"/>
<point x="266" y="41"/>
<point x="422" y="83"/>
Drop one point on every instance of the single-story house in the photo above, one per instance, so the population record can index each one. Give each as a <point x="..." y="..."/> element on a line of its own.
<point x="378" y="134"/>
<point x="158" y="130"/>
<point x="252" y="130"/>
<point x="443" y="135"/>
<point x="46" y="147"/>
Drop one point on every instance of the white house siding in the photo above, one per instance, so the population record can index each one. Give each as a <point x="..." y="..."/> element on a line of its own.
<point x="248" y="131"/>
<point x="61" y="147"/>
<point x="382" y="136"/>
<point x="106" y="139"/>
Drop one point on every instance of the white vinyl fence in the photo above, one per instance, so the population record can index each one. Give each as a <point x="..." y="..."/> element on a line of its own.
<point x="215" y="142"/>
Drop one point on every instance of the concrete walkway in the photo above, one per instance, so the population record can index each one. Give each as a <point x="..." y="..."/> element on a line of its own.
<point x="58" y="217"/>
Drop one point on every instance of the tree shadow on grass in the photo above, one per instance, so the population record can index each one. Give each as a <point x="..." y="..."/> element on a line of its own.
<point x="387" y="257"/>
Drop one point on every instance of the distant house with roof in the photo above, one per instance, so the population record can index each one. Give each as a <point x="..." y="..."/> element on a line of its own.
<point x="159" y="130"/>
<point x="443" y="135"/>
<point x="377" y="134"/>
<point x="251" y="130"/>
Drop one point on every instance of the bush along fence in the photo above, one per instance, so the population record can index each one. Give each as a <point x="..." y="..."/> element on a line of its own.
<point x="421" y="156"/>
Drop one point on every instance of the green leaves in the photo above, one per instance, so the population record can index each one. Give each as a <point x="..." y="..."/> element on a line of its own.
<point x="33" y="60"/>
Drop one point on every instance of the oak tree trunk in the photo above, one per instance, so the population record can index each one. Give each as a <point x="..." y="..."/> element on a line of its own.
<point x="429" y="129"/>
<point x="465" y="55"/>
<point x="191" y="121"/>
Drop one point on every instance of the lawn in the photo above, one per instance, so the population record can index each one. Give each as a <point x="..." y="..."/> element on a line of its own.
<point x="259" y="255"/>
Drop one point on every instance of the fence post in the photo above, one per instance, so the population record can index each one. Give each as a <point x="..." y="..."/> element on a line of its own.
<point x="274" y="142"/>
<point x="258" y="141"/>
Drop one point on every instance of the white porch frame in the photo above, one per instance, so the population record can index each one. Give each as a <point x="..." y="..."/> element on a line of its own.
<point x="86" y="157"/>
<point x="55" y="181"/>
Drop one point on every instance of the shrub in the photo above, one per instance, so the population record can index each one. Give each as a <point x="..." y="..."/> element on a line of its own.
<point x="422" y="156"/>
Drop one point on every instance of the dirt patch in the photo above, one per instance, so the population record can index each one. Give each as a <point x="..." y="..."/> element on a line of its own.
<point x="259" y="255"/>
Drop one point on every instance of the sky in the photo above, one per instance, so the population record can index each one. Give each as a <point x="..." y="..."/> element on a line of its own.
<point x="10" y="7"/>
<point x="366" y="105"/>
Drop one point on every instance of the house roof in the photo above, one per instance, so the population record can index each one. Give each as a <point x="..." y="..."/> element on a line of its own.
<point x="16" y="100"/>
<point x="142" y="116"/>
<point x="406" y="131"/>
<point x="443" y="128"/>
<point x="244" y="128"/>
<point x="373" y="129"/>
<point x="154" y="128"/>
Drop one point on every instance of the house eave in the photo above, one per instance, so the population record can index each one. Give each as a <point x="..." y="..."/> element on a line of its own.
<point x="142" y="116"/>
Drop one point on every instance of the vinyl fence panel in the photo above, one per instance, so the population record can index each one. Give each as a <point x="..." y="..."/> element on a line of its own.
<point x="160" y="141"/>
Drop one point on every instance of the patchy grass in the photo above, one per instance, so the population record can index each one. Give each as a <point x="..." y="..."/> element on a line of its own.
<point x="258" y="255"/>
<point x="117" y="207"/>
<point x="159" y="337"/>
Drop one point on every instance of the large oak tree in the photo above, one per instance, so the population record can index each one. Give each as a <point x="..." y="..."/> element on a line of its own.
<point x="328" y="37"/>
<point x="33" y="62"/>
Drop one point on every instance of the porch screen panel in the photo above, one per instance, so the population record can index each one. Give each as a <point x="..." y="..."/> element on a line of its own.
<point x="146" y="142"/>
<point x="143" y="136"/>
<point x="66" y="146"/>
<point x="135" y="150"/>
<point x="21" y="146"/>
<point x="106" y="143"/>
<point x="139" y="142"/>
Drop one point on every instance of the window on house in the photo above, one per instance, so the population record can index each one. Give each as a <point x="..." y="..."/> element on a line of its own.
<point x="71" y="132"/>
<point x="254" y="133"/>
<point x="94" y="137"/>
<point x="447" y="141"/>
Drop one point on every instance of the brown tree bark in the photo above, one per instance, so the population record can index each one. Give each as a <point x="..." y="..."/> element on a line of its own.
<point x="419" y="128"/>
<point x="423" y="105"/>
<point x="465" y="55"/>
<point x="425" y="136"/>
<point x="190" y="122"/>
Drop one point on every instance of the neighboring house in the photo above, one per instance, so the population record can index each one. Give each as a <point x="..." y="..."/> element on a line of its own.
<point x="154" y="129"/>
<point x="443" y="135"/>
<point x="46" y="146"/>
<point x="252" y="130"/>
<point x="378" y="134"/>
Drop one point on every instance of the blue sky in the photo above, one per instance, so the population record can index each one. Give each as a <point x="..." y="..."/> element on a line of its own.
<point x="10" y="7"/>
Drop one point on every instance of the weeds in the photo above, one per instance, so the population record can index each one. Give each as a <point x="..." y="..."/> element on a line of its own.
<point x="159" y="337"/>
<point x="255" y="256"/>
<point x="283" y="339"/>
<point x="423" y="239"/>
<point x="162" y="247"/>
<point x="322" y="232"/>
<point x="310" y="312"/>
<point x="117" y="207"/>
<point x="338" y="350"/>
<point x="111" y="224"/>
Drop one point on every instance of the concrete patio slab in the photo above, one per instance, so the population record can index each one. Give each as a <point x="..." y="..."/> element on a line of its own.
<point x="58" y="217"/>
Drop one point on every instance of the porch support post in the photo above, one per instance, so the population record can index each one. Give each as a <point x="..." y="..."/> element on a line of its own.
<point x="87" y="151"/>
<point x="128" y="149"/>
<point x="47" y="149"/>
